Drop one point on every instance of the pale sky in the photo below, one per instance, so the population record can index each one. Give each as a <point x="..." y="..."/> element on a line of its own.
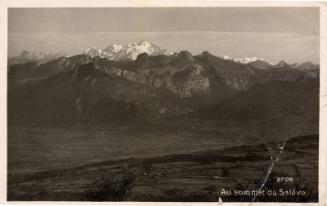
<point x="274" y="34"/>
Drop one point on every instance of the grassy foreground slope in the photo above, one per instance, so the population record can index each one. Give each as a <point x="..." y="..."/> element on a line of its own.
<point x="199" y="176"/>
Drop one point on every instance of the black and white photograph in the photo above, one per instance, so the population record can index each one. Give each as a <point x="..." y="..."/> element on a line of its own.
<point x="163" y="104"/>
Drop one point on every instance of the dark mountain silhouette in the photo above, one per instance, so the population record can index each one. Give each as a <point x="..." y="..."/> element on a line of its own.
<point x="259" y="64"/>
<point x="21" y="73"/>
<point x="95" y="89"/>
<point x="88" y="94"/>
<point x="69" y="97"/>
<point x="308" y="66"/>
<point x="270" y="100"/>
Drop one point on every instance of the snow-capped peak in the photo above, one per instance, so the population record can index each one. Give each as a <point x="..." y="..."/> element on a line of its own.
<point x="244" y="60"/>
<point x="226" y="57"/>
<point x="129" y="51"/>
<point x="34" y="55"/>
<point x="93" y="51"/>
<point x="114" y="48"/>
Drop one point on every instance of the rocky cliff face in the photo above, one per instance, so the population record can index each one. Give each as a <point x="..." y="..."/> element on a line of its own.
<point x="183" y="83"/>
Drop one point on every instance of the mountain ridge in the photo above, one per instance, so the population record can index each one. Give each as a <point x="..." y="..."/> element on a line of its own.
<point x="84" y="88"/>
<point x="117" y="52"/>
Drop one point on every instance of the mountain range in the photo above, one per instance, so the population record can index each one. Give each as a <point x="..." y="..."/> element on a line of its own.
<point x="140" y="81"/>
<point x="130" y="51"/>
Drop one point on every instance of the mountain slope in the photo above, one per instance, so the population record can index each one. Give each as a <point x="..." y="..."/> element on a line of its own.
<point x="88" y="94"/>
<point x="274" y="99"/>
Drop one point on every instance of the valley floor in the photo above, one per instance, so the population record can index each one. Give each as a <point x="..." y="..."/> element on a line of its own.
<point x="194" y="176"/>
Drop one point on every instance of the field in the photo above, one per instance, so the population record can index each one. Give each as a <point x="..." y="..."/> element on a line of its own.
<point x="158" y="163"/>
<point x="198" y="176"/>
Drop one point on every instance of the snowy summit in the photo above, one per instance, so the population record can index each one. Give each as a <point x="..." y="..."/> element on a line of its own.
<point x="129" y="51"/>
